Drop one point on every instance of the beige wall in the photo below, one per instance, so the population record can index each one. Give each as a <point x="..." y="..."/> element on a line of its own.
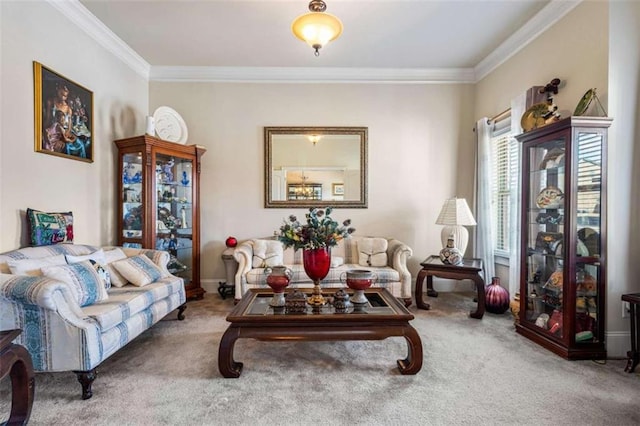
<point x="589" y="48"/>
<point x="566" y="51"/>
<point x="36" y="31"/>
<point x="623" y="238"/>
<point x="420" y="153"/>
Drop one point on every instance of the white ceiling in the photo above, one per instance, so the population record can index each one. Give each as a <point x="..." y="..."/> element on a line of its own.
<point x="403" y="35"/>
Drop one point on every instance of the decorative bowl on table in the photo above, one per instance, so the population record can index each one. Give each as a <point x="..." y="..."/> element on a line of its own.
<point x="278" y="279"/>
<point x="359" y="280"/>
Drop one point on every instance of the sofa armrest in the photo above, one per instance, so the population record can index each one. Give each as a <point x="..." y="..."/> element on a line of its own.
<point x="398" y="254"/>
<point x="57" y="334"/>
<point x="243" y="254"/>
<point x="43" y="292"/>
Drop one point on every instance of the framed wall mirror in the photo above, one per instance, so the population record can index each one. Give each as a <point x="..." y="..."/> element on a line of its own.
<point x="315" y="167"/>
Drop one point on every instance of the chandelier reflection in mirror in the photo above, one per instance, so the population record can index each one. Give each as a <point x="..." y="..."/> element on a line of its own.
<point x="303" y="190"/>
<point x="317" y="28"/>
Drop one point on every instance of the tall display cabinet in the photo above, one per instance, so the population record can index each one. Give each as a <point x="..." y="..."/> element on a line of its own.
<point x="158" y="208"/>
<point x="563" y="241"/>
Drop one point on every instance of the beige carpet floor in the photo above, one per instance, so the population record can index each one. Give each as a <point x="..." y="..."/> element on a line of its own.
<point x="474" y="372"/>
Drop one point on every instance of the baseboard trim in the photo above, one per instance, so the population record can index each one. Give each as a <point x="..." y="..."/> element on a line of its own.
<point x="211" y="285"/>
<point x="617" y="343"/>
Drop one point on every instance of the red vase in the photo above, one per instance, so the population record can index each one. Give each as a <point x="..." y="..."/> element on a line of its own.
<point x="279" y="278"/>
<point x="497" y="298"/>
<point x="317" y="262"/>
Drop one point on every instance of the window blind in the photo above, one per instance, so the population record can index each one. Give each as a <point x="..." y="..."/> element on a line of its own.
<point x="505" y="167"/>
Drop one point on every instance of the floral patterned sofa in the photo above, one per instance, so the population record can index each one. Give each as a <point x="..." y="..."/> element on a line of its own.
<point x="71" y="319"/>
<point x="386" y="257"/>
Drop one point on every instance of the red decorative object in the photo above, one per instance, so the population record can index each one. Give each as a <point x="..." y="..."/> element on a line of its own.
<point x="316" y="264"/>
<point x="555" y="322"/>
<point x="359" y="280"/>
<point x="278" y="279"/>
<point x="359" y="284"/>
<point x="497" y="298"/>
<point x="231" y="242"/>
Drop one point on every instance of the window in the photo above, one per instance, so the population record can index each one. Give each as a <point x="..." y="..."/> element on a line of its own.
<point x="504" y="181"/>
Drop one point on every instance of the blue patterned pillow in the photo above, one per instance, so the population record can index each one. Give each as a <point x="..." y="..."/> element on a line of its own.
<point x="83" y="279"/>
<point x="139" y="270"/>
<point x="49" y="228"/>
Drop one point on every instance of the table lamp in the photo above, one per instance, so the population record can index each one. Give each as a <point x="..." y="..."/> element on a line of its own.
<point x="455" y="215"/>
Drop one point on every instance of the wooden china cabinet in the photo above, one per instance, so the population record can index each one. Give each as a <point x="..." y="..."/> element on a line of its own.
<point x="158" y="208"/>
<point x="563" y="237"/>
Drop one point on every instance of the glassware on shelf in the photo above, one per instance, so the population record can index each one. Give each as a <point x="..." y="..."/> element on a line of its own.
<point x="158" y="183"/>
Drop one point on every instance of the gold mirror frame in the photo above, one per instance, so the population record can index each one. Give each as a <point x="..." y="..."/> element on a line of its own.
<point x="271" y="132"/>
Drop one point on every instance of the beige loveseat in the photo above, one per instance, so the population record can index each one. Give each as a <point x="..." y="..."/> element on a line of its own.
<point x="354" y="252"/>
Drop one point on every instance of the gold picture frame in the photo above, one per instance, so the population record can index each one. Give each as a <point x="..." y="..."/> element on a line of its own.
<point x="337" y="188"/>
<point x="63" y="115"/>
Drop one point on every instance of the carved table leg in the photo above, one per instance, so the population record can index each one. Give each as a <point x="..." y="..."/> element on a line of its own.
<point x="430" y="291"/>
<point x="413" y="363"/>
<point x="16" y="362"/>
<point x="86" y="379"/>
<point x="634" y="354"/>
<point x="479" y="313"/>
<point x="226" y="365"/>
<point x="181" y="310"/>
<point x="420" y="303"/>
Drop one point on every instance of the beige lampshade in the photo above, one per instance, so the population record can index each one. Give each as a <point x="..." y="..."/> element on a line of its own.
<point x="455" y="211"/>
<point x="455" y="215"/>
<point x="317" y="28"/>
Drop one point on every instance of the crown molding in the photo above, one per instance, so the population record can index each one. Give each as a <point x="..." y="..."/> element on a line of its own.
<point x="91" y="25"/>
<point x="544" y="19"/>
<point x="87" y="21"/>
<point x="311" y="75"/>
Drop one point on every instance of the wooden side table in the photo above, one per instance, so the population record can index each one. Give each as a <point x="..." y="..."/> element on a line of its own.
<point x="228" y="287"/>
<point x="471" y="269"/>
<point x="634" y="353"/>
<point x="16" y="362"/>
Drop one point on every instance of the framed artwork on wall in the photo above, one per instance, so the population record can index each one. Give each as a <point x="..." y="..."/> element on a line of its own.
<point x="63" y="115"/>
<point x="337" y="189"/>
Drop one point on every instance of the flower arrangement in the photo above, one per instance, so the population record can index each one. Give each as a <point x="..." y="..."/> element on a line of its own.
<point x="319" y="231"/>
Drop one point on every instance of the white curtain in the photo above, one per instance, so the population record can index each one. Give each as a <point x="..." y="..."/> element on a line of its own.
<point x="518" y="106"/>
<point x="484" y="229"/>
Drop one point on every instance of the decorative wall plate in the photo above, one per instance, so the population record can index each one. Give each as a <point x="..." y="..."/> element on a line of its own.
<point x="584" y="103"/>
<point x="169" y="125"/>
<point x="534" y="117"/>
<point x="550" y="197"/>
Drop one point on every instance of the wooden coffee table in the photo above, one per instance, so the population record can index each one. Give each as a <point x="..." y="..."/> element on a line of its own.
<point x="383" y="317"/>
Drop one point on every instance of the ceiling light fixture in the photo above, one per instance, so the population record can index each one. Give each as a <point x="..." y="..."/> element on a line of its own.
<point x="316" y="27"/>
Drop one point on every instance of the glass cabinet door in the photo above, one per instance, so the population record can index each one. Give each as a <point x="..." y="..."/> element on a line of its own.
<point x="132" y="198"/>
<point x="588" y="231"/>
<point x="174" y="212"/>
<point x="563" y="275"/>
<point x="545" y="235"/>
